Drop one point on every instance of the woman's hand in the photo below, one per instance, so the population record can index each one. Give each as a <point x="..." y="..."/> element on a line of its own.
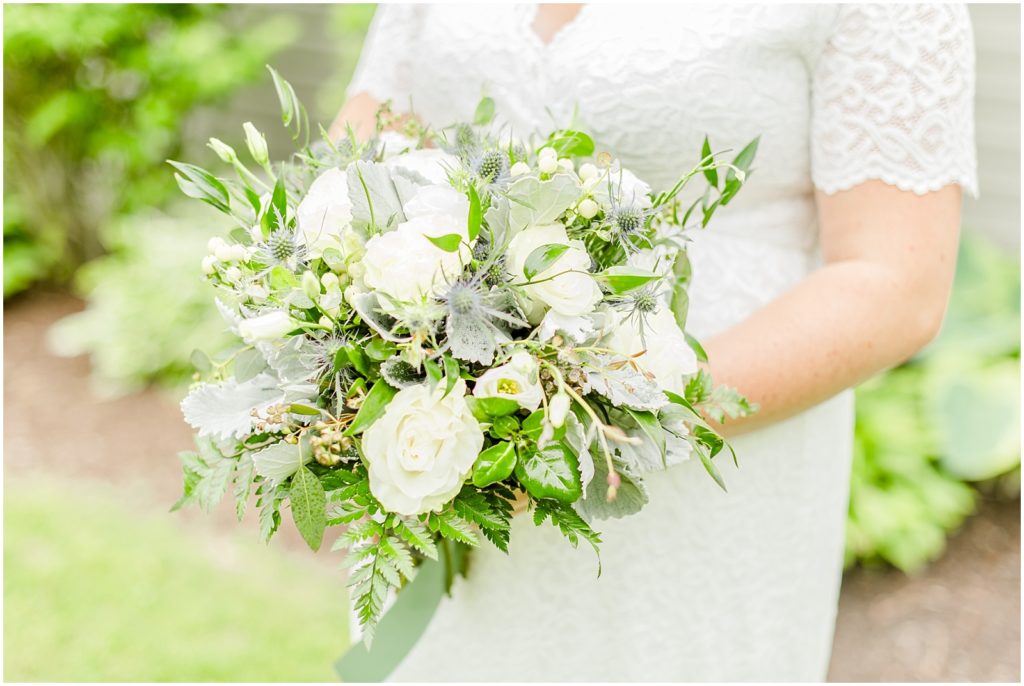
<point x="889" y="258"/>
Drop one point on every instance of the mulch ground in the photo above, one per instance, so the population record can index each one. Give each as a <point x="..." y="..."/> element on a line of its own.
<point x="959" y="620"/>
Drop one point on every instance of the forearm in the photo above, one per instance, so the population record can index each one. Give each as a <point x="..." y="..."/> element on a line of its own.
<point x="841" y="325"/>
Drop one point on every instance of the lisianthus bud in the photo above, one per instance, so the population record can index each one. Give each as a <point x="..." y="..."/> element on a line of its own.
<point x="209" y="264"/>
<point x="232" y="273"/>
<point x="234" y="252"/>
<point x="224" y="151"/>
<point x="311" y="285"/>
<point x="566" y="164"/>
<point x="257" y="144"/>
<point x="329" y="280"/>
<point x="558" y="409"/>
<point x="588" y="208"/>
<point x="325" y="321"/>
<point x="546" y="153"/>
<point x="266" y="327"/>
<point x="519" y="168"/>
<point x="215" y="244"/>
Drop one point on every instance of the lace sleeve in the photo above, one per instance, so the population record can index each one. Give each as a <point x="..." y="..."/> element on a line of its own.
<point x="893" y="99"/>
<point x="386" y="68"/>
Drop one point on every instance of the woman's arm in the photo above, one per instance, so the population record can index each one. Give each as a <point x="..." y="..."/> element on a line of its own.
<point x="359" y="112"/>
<point x="880" y="297"/>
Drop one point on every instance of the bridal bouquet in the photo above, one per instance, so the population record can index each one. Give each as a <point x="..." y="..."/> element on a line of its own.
<point x="435" y="325"/>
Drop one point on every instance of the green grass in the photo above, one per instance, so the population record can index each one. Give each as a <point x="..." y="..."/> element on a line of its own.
<point x="95" y="591"/>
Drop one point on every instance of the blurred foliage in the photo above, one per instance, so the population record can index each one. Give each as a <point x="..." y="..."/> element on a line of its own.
<point x="94" y="98"/>
<point x="147" y="305"/>
<point x="949" y="416"/>
<point x="348" y="24"/>
<point x="96" y="589"/>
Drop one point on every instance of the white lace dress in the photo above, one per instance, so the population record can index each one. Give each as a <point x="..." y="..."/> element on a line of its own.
<point x="702" y="585"/>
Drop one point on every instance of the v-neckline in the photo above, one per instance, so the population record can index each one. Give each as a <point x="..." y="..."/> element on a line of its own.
<point x="530" y="18"/>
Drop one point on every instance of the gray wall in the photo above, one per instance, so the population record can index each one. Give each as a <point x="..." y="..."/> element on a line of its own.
<point x="320" y="62"/>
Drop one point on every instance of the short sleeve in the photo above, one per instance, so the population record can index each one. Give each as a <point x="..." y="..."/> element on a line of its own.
<point x="387" y="66"/>
<point x="893" y="99"/>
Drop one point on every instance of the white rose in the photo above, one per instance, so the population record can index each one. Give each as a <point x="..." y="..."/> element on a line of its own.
<point x="325" y="213"/>
<point x="405" y="265"/>
<point x="570" y="294"/>
<point x="422" y="449"/>
<point x="430" y="163"/>
<point x="519" y="380"/>
<point x="668" y="356"/>
<point x="393" y="143"/>
<point x="625" y="187"/>
<point x="266" y="327"/>
<point x="447" y="205"/>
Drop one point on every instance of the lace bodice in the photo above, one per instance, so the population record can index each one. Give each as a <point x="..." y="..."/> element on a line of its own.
<point x="701" y="585"/>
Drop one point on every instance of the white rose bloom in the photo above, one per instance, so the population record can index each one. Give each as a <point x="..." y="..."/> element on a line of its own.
<point x="394" y="143"/>
<point x="266" y="327"/>
<point x="405" y="265"/>
<point x="626" y="188"/>
<point x="422" y="449"/>
<point x="326" y="211"/>
<point x="430" y="163"/>
<point x="450" y="207"/>
<point x="570" y="294"/>
<point x="519" y="380"/>
<point x="668" y="356"/>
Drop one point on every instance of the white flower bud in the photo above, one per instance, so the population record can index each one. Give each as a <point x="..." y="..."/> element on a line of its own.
<point x="311" y="285"/>
<point x="546" y="153"/>
<point x="266" y="327"/>
<point x="558" y="409"/>
<point x="548" y="165"/>
<point x="566" y="164"/>
<point x="224" y="252"/>
<point x="216" y="243"/>
<point x="234" y="252"/>
<point x="209" y="264"/>
<point x="329" y="280"/>
<point x="522" y="362"/>
<point x="519" y="168"/>
<point x="587" y="209"/>
<point x="232" y="274"/>
<point x="257" y="144"/>
<point x="224" y="151"/>
<point x="326" y="321"/>
<point x="587" y="171"/>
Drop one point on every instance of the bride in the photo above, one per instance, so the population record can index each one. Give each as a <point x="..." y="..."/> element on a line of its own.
<point x="834" y="263"/>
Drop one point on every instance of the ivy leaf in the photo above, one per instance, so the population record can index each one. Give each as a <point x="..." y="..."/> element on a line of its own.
<point x="308" y="502"/>
<point x="374" y="404"/>
<point x="494" y="464"/>
<point x="550" y="473"/>
<point x="449" y="242"/>
<point x="542" y="257"/>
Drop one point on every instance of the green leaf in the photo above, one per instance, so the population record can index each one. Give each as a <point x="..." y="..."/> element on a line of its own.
<point x="298" y="408"/>
<point x="357" y="358"/>
<point x="374" y="404"/>
<point x="451" y="374"/>
<point x="200" y="361"/>
<point x="308" y="502"/>
<point x="710" y="174"/>
<point x="568" y="521"/>
<point x="711" y="469"/>
<point x="484" y="112"/>
<point x="698" y="388"/>
<point x="449" y="242"/>
<point x="248" y="364"/>
<point x="651" y="427"/>
<point x="455" y="528"/>
<point x="570" y="143"/>
<point x="696" y="347"/>
<point x="491" y="408"/>
<point x="494" y="464"/>
<point x="416" y="535"/>
<point x="745" y="158"/>
<point x="433" y="371"/>
<point x="533" y="427"/>
<point x="550" y="473"/>
<point x="379" y="350"/>
<point x="542" y="257"/>
<point x="621" y="280"/>
<point x="291" y="108"/>
<point x="475" y="214"/>
<point x="198" y="183"/>
<point x="680" y="307"/>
